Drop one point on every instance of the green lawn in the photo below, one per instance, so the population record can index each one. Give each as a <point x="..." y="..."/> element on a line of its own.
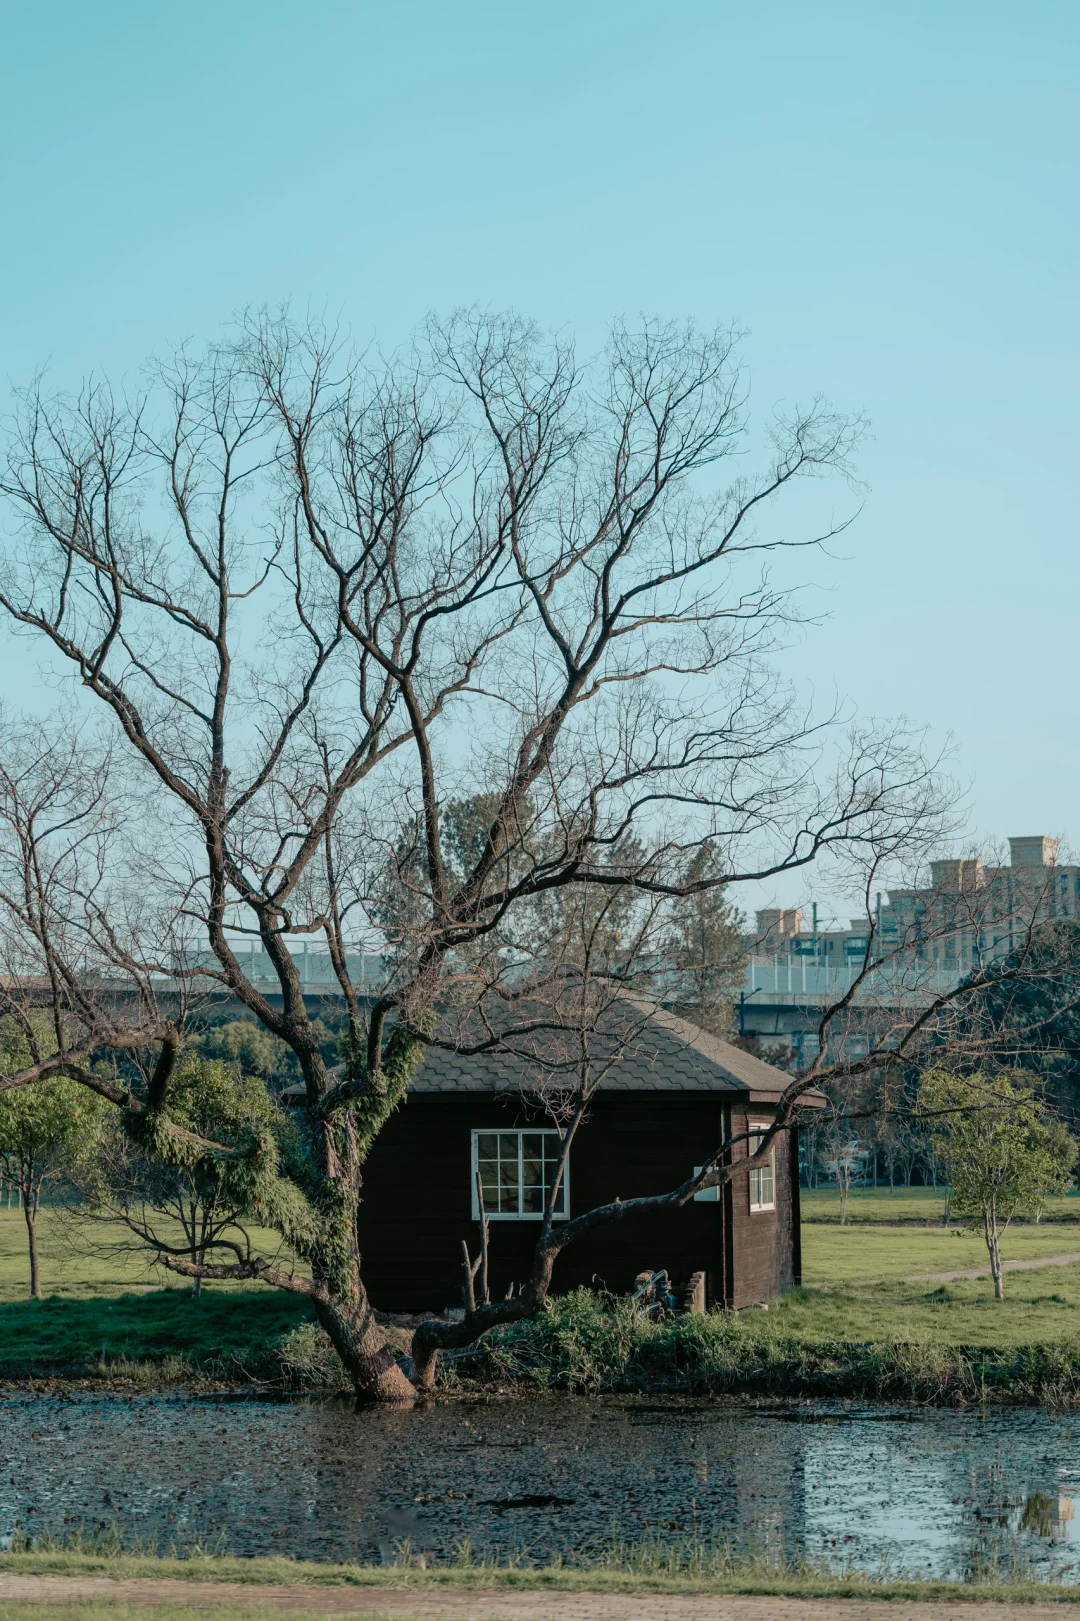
<point x="84" y="1260"/>
<point x="847" y="1254"/>
<point x="1038" y="1306"/>
<point x="906" y="1205"/>
<point x="104" y="1301"/>
<point x="228" y="1331"/>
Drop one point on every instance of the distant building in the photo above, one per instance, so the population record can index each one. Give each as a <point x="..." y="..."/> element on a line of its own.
<point x="973" y="912"/>
<point x="970" y="912"/>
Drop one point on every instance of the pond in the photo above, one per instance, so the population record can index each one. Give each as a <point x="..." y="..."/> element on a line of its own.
<point x="878" y="1488"/>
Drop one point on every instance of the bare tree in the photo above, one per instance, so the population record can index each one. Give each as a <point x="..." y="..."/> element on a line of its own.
<point x="321" y="600"/>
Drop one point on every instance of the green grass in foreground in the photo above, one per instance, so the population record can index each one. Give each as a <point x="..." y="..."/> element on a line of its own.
<point x="107" y="1610"/>
<point x="907" y="1205"/>
<point x="747" y="1576"/>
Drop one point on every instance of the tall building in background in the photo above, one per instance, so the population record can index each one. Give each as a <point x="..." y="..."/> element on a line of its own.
<point x="970" y="913"/>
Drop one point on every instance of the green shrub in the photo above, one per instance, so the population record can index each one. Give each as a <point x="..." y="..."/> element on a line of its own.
<point x="586" y="1343"/>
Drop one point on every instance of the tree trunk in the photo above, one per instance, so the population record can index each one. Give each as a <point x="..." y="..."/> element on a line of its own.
<point x="364" y="1349"/>
<point x="993" y="1245"/>
<point x="424" y="1361"/>
<point x="197" y="1255"/>
<point x="30" y="1212"/>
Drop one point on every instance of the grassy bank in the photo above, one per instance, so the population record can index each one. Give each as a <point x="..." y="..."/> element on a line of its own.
<point x="637" y="1568"/>
<point x="164" y="1336"/>
<point x="893" y="1343"/>
<point x="579" y="1345"/>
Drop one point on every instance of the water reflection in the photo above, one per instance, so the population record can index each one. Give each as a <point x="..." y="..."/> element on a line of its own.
<point x="879" y="1488"/>
<point x="1048" y="1516"/>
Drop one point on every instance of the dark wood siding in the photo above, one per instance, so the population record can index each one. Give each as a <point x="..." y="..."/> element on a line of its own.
<point x="417" y="1203"/>
<point x="796" y="1209"/>
<point x="763" y="1241"/>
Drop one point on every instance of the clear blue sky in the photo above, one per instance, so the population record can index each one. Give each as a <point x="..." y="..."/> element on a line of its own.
<point x="884" y="193"/>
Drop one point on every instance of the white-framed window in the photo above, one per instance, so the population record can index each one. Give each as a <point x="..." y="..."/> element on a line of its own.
<point x="762" y="1178"/>
<point x="516" y="1170"/>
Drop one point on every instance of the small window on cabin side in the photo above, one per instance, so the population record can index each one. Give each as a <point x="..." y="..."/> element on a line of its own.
<point x="762" y="1178"/>
<point x="516" y="1170"/>
<point x="705" y="1195"/>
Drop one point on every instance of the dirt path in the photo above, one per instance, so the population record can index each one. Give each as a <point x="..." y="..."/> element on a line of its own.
<point x="433" y="1604"/>
<point x="984" y="1271"/>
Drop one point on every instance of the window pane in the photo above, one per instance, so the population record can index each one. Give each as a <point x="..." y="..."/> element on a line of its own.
<point x="551" y="1162"/>
<point x="509" y="1174"/>
<point x="487" y="1163"/>
<point x="489" y="1183"/>
<point x="533" y="1182"/>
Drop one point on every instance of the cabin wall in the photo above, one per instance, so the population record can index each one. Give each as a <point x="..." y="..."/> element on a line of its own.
<point x="765" y="1245"/>
<point x="416" y="1206"/>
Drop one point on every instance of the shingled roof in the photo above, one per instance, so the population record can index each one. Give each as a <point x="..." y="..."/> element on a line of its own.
<point x="667" y="1054"/>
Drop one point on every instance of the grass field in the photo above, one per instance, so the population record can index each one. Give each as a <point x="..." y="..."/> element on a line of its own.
<point x="848" y="1254"/>
<point x="84" y="1260"/>
<point x="105" y="1304"/>
<point x="1038" y="1306"/>
<point x="916" y="1205"/>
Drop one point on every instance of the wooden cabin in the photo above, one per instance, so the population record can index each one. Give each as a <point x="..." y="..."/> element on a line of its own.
<point x="664" y="1105"/>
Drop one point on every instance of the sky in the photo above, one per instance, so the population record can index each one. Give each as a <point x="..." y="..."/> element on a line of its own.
<point x="883" y="194"/>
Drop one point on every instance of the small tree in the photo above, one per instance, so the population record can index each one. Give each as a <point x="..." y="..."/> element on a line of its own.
<point x="45" y="1131"/>
<point x="1006" y="1154"/>
<point x="846" y="1153"/>
<point x="200" y="1204"/>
